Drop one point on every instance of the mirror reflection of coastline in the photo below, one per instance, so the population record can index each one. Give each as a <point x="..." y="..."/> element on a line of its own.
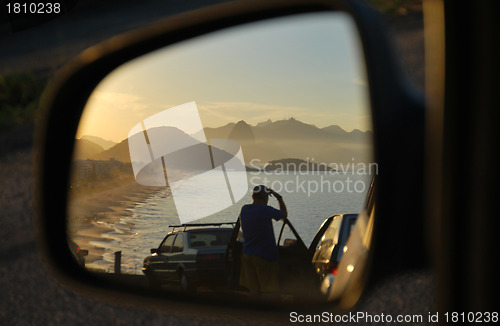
<point x="307" y="115"/>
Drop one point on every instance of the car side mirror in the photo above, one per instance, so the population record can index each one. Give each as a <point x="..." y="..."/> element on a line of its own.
<point x="142" y="85"/>
<point x="154" y="251"/>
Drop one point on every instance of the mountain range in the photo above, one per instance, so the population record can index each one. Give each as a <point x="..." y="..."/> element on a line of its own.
<point x="104" y="143"/>
<point x="261" y="143"/>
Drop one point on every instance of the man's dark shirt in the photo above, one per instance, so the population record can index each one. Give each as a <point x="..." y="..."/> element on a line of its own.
<point x="257" y="226"/>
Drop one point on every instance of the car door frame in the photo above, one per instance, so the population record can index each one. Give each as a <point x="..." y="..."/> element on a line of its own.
<point x="177" y="258"/>
<point x="166" y="263"/>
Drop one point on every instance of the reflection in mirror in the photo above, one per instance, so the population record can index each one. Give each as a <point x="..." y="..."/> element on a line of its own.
<point x="171" y="145"/>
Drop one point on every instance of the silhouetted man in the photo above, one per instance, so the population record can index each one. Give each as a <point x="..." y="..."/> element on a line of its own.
<point x="259" y="262"/>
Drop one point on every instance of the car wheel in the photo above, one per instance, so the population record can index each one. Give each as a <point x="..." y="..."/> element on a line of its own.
<point x="184" y="283"/>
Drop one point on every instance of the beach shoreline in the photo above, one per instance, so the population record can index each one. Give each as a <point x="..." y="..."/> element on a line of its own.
<point x="92" y="212"/>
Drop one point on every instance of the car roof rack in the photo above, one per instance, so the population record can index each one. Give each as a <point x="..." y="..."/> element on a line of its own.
<point x="186" y="225"/>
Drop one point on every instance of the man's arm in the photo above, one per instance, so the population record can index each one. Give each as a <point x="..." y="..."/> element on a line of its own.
<point x="281" y="202"/>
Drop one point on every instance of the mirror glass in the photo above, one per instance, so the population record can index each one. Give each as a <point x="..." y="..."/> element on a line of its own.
<point x="182" y="135"/>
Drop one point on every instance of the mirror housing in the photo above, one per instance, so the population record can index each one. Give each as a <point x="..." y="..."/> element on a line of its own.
<point x="398" y="120"/>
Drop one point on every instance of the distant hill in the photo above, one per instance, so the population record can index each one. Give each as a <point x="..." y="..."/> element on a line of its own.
<point x="187" y="156"/>
<point x="118" y="152"/>
<point x="104" y="143"/>
<point x="220" y="132"/>
<point x="335" y="130"/>
<point x="267" y="141"/>
<point x="262" y="124"/>
<point x="359" y="133"/>
<point x="85" y="149"/>
<point x="177" y="138"/>
<point x="281" y="129"/>
<point x="242" y="132"/>
<point x="290" y="129"/>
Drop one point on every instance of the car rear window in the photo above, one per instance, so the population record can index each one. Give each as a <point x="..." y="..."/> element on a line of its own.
<point x="205" y="238"/>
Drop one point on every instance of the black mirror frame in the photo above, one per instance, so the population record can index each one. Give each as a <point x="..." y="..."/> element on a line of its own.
<point x="398" y="121"/>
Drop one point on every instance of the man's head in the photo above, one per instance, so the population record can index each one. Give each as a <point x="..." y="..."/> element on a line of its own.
<point x="260" y="194"/>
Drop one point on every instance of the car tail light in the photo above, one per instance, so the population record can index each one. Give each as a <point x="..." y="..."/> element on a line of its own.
<point x="332" y="268"/>
<point x="207" y="257"/>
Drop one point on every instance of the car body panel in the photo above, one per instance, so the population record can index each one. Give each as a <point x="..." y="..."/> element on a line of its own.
<point x="332" y="243"/>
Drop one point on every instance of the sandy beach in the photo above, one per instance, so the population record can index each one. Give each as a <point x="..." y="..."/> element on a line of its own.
<point x="91" y="212"/>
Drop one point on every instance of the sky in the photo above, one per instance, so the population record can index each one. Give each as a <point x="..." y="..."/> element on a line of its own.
<point x="309" y="67"/>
